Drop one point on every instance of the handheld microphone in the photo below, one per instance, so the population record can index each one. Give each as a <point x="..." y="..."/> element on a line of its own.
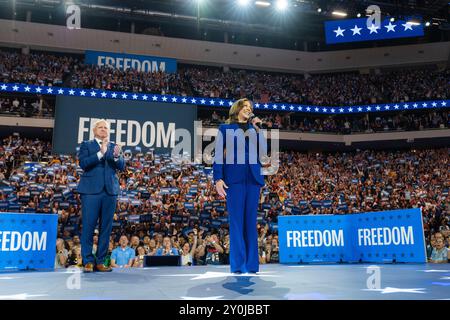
<point x="250" y="119"/>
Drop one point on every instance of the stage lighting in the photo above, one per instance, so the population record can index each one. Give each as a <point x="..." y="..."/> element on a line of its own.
<point x="413" y="22"/>
<point x="359" y="15"/>
<point x="427" y="24"/>
<point x="281" y="5"/>
<point x="339" y="13"/>
<point x="243" y="3"/>
<point x="262" y="3"/>
<point x="392" y="19"/>
<point x="319" y="10"/>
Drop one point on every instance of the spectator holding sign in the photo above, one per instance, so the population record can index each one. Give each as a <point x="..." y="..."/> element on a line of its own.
<point x="188" y="251"/>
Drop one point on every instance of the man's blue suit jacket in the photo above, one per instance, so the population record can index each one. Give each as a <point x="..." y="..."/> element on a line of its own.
<point x="234" y="173"/>
<point x="98" y="174"/>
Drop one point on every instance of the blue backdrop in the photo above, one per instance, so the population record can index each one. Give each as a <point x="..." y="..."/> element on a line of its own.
<point x="351" y="30"/>
<point x="384" y="236"/>
<point x="27" y="240"/>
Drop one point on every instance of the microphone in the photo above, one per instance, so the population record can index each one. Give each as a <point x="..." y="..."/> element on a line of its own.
<point x="250" y="119"/>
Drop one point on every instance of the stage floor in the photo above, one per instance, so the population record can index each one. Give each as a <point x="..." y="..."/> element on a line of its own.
<point x="274" y="282"/>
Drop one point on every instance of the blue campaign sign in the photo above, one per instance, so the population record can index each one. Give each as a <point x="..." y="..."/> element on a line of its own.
<point x="387" y="236"/>
<point x="27" y="241"/>
<point x="131" y="61"/>
<point x="351" y="30"/>
<point x="384" y="236"/>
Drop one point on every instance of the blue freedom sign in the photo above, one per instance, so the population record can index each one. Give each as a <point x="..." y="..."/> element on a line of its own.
<point x="27" y="241"/>
<point x="384" y="236"/>
<point x="352" y="30"/>
<point x="124" y="62"/>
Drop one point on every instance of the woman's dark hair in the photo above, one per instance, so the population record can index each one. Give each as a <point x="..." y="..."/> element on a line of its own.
<point x="236" y="108"/>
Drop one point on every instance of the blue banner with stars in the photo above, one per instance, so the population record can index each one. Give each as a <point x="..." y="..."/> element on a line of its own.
<point x="221" y="103"/>
<point x="384" y="237"/>
<point x="27" y="241"/>
<point x="352" y="30"/>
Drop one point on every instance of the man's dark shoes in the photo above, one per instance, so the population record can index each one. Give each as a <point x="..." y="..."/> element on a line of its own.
<point x="89" y="267"/>
<point x="103" y="268"/>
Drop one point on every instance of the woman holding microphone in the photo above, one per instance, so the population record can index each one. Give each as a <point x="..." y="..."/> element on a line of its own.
<point x="238" y="178"/>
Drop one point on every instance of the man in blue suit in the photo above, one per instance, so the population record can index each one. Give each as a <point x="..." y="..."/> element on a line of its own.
<point x="237" y="168"/>
<point x="99" y="187"/>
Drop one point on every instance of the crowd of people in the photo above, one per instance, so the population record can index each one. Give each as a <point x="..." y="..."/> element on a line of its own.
<point x="325" y="89"/>
<point x="412" y="121"/>
<point x="26" y="107"/>
<point x="35" y="68"/>
<point x="169" y="208"/>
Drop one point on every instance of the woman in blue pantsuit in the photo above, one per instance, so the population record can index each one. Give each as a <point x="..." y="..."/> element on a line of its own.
<point x="237" y="176"/>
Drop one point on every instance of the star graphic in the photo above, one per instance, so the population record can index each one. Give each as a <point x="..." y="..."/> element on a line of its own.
<point x="104" y="94"/>
<point x="390" y="27"/>
<point x="71" y="92"/>
<point x="405" y="106"/>
<point x="164" y="98"/>
<point x="211" y="101"/>
<point x="274" y="106"/>
<point x="221" y="103"/>
<point x="373" y="28"/>
<point x="443" y="103"/>
<point x="283" y="107"/>
<point x="324" y="109"/>
<point x="291" y="107"/>
<point x="407" y="26"/>
<point x="214" y="274"/>
<point x="333" y="110"/>
<point x="202" y="101"/>
<point x="38" y="89"/>
<point x="369" y="108"/>
<point x="316" y="109"/>
<point x="300" y="108"/>
<point x="4" y="86"/>
<point x="350" y="109"/>
<point x="27" y="89"/>
<point x="93" y="93"/>
<point x="415" y="105"/>
<point x="60" y="91"/>
<point x="339" y="32"/>
<point x="184" y="100"/>
<point x="202" y="298"/>
<point x="135" y="96"/>
<point x="377" y="107"/>
<point x="144" y="97"/>
<point x="434" y="104"/>
<point x="397" y="290"/>
<point x="174" y="99"/>
<point x="15" y="88"/>
<point x="114" y="95"/>
<point x="124" y="96"/>
<point x="356" y="30"/>
<point x="193" y="100"/>
<point x="341" y="110"/>
<point x="359" y="109"/>
<point x="82" y="93"/>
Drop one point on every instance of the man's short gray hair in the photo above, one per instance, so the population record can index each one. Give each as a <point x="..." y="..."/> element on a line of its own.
<point x="96" y="123"/>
